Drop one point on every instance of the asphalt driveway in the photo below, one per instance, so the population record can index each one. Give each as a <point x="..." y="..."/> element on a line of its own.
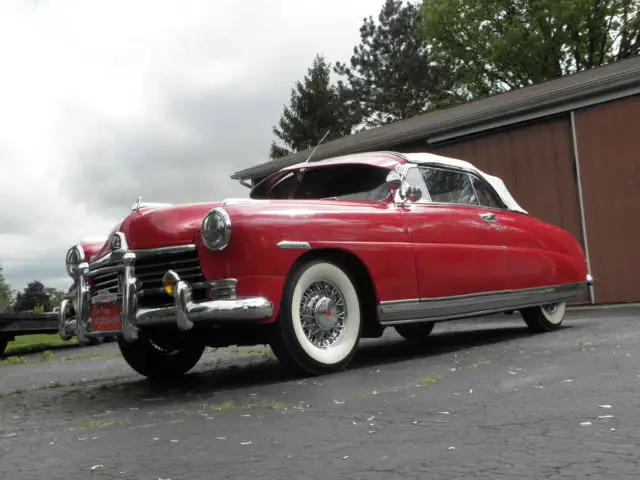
<point x="483" y="399"/>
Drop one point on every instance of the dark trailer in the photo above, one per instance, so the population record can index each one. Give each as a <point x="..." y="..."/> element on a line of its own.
<point x="25" y="323"/>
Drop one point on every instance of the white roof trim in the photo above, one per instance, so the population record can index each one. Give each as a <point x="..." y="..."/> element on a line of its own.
<point x="497" y="183"/>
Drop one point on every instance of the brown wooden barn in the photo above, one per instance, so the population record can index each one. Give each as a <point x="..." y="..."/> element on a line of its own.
<point x="569" y="150"/>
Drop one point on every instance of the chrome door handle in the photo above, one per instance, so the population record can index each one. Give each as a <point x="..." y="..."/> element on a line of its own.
<point x="488" y="217"/>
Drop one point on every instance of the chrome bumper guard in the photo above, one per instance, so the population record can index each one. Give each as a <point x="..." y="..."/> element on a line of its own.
<point x="184" y="313"/>
<point x="590" y="281"/>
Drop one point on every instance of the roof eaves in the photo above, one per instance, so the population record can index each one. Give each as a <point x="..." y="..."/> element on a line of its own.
<point x="554" y="93"/>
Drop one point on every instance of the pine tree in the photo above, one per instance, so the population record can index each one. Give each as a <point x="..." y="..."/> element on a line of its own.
<point x="314" y="108"/>
<point x="392" y="74"/>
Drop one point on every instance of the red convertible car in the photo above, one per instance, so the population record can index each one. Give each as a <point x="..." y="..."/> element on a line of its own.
<point x="321" y="255"/>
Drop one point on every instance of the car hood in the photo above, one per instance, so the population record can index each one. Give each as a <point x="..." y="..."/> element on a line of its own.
<point x="173" y="225"/>
<point x="162" y="226"/>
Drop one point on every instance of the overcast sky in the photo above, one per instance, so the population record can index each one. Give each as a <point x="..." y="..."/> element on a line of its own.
<point x="102" y="101"/>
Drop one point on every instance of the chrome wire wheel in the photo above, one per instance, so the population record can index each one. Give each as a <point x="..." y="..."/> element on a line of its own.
<point x="323" y="314"/>
<point x="546" y="317"/>
<point x="320" y="319"/>
<point x="554" y="312"/>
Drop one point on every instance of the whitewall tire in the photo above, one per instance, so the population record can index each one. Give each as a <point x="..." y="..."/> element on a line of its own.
<point x="320" y="320"/>
<point x="544" y="318"/>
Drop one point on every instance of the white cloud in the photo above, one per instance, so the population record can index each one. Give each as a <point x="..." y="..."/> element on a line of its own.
<point x="101" y="101"/>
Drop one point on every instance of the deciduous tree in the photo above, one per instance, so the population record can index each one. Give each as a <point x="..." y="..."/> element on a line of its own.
<point x="499" y="45"/>
<point x="6" y="294"/>
<point x="55" y="296"/>
<point x="34" y="297"/>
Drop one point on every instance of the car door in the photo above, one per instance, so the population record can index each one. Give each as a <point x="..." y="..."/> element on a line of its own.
<point x="458" y="244"/>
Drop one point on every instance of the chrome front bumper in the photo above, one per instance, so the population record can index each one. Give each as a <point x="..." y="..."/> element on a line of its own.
<point x="184" y="313"/>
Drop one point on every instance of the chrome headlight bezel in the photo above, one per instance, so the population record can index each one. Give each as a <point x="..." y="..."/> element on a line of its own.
<point x="74" y="258"/>
<point x="215" y="229"/>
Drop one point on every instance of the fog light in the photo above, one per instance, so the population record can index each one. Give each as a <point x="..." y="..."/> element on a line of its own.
<point x="169" y="282"/>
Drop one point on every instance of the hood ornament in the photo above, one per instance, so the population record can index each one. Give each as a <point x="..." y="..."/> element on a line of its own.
<point x="139" y="205"/>
<point x="136" y="206"/>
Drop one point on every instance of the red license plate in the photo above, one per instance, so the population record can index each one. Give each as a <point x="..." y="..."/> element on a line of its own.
<point x="106" y="316"/>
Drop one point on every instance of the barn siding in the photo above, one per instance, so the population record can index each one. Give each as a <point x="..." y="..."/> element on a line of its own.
<point x="608" y="137"/>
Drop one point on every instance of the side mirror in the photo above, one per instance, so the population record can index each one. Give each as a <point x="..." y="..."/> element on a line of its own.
<point x="394" y="182"/>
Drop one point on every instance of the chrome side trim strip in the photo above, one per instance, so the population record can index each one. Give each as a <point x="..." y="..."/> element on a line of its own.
<point x="292" y="245"/>
<point x="447" y="308"/>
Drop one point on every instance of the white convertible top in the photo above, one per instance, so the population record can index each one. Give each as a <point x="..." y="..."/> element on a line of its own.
<point x="497" y="183"/>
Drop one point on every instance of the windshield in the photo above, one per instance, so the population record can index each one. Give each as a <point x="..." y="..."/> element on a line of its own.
<point x="342" y="182"/>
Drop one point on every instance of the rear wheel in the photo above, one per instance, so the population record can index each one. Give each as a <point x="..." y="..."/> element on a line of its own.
<point x="544" y="318"/>
<point x="415" y="332"/>
<point x="320" y="320"/>
<point x="160" y="359"/>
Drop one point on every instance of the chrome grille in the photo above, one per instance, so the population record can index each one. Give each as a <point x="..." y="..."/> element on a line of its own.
<point x="106" y="281"/>
<point x="149" y="269"/>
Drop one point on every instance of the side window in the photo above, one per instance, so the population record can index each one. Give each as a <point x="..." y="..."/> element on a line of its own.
<point x="414" y="178"/>
<point x="486" y="196"/>
<point x="448" y="186"/>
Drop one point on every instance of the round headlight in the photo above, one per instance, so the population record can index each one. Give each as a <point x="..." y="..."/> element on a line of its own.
<point x="216" y="229"/>
<point x="75" y="256"/>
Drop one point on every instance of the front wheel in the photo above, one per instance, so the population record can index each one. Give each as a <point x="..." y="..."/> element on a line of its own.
<point x="160" y="359"/>
<point x="544" y="318"/>
<point x="320" y="321"/>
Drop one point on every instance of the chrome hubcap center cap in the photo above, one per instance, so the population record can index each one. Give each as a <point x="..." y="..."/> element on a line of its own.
<point x="550" y="308"/>
<point x="325" y="313"/>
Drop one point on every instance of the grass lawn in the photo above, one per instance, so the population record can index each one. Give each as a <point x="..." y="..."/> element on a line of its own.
<point x="24" y="344"/>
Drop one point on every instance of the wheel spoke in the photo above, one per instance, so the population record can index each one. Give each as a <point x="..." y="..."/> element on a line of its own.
<point x="323" y="314"/>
